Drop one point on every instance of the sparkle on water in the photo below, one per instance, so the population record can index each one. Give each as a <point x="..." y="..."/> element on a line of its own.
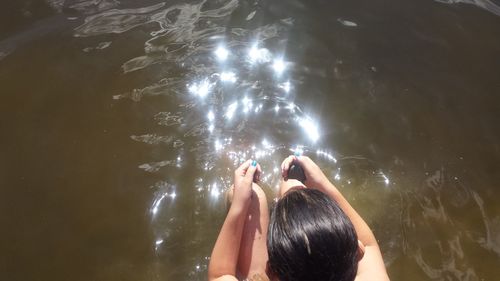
<point x="210" y="116"/>
<point x="222" y="53"/>
<point x="227" y="87"/>
<point x="230" y="110"/>
<point x="243" y="102"/>
<point x="310" y="128"/>
<point x="201" y="88"/>
<point x="279" y="66"/>
<point x="214" y="191"/>
<point x="258" y="55"/>
<point x="228" y="77"/>
<point x="285" y="86"/>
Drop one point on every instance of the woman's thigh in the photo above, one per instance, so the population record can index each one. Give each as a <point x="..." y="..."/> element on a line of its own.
<point x="253" y="248"/>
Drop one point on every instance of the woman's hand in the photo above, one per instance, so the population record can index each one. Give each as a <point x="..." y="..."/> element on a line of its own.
<point x="315" y="178"/>
<point x="244" y="176"/>
<point x="224" y="259"/>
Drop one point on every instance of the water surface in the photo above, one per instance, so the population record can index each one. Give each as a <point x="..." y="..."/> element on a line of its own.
<point x="122" y="122"/>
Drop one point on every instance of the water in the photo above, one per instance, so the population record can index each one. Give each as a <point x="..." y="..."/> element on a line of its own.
<point x="123" y="120"/>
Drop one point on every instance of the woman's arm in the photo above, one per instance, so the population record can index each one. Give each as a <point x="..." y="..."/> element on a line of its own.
<point x="371" y="266"/>
<point x="224" y="259"/>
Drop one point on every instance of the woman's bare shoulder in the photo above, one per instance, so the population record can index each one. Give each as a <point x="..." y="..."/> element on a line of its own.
<point x="371" y="266"/>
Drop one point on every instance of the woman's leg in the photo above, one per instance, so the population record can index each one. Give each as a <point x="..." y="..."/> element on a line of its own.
<point x="252" y="260"/>
<point x="253" y="249"/>
<point x="286" y="185"/>
<point x="253" y="256"/>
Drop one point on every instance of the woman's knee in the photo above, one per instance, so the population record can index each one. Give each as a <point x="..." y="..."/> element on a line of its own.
<point x="287" y="185"/>
<point x="259" y="192"/>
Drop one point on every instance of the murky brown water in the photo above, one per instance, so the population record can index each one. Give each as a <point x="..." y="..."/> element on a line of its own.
<point x="122" y="121"/>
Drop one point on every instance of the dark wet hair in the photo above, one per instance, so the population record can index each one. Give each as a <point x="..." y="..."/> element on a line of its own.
<point x="311" y="238"/>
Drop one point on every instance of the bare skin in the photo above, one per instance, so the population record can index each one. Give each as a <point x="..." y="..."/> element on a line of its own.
<point x="371" y="266"/>
<point x="241" y="250"/>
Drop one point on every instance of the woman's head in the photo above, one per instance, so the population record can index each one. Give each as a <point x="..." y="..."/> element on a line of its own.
<point x="310" y="238"/>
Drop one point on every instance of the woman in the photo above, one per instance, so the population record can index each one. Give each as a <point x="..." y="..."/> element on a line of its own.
<point x="314" y="233"/>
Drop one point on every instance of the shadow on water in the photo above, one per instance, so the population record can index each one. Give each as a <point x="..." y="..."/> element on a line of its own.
<point x="124" y="121"/>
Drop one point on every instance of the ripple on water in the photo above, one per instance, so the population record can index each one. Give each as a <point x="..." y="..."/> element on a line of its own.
<point x="153" y="139"/>
<point x="163" y="87"/>
<point x="428" y="214"/>
<point x="92" y="6"/>
<point x="168" y="118"/>
<point x="156" y="166"/>
<point x="178" y="143"/>
<point x="488" y="5"/>
<point x="56" y="4"/>
<point x="116" y="21"/>
<point x="347" y="23"/>
<point x="3" y="54"/>
<point x="185" y="30"/>
<point x="100" y="46"/>
<point x="234" y="101"/>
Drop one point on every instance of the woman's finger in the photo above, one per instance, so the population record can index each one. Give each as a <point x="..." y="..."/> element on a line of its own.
<point x="283" y="165"/>
<point x="286" y="165"/>
<point x="242" y="169"/>
<point x="258" y="173"/>
<point x="251" y="170"/>
<point x="303" y="160"/>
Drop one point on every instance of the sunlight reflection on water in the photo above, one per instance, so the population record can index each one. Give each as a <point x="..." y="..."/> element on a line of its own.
<point x="488" y="5"/>
<point x="235" y="99"/>
<point x="244" y="95"/>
